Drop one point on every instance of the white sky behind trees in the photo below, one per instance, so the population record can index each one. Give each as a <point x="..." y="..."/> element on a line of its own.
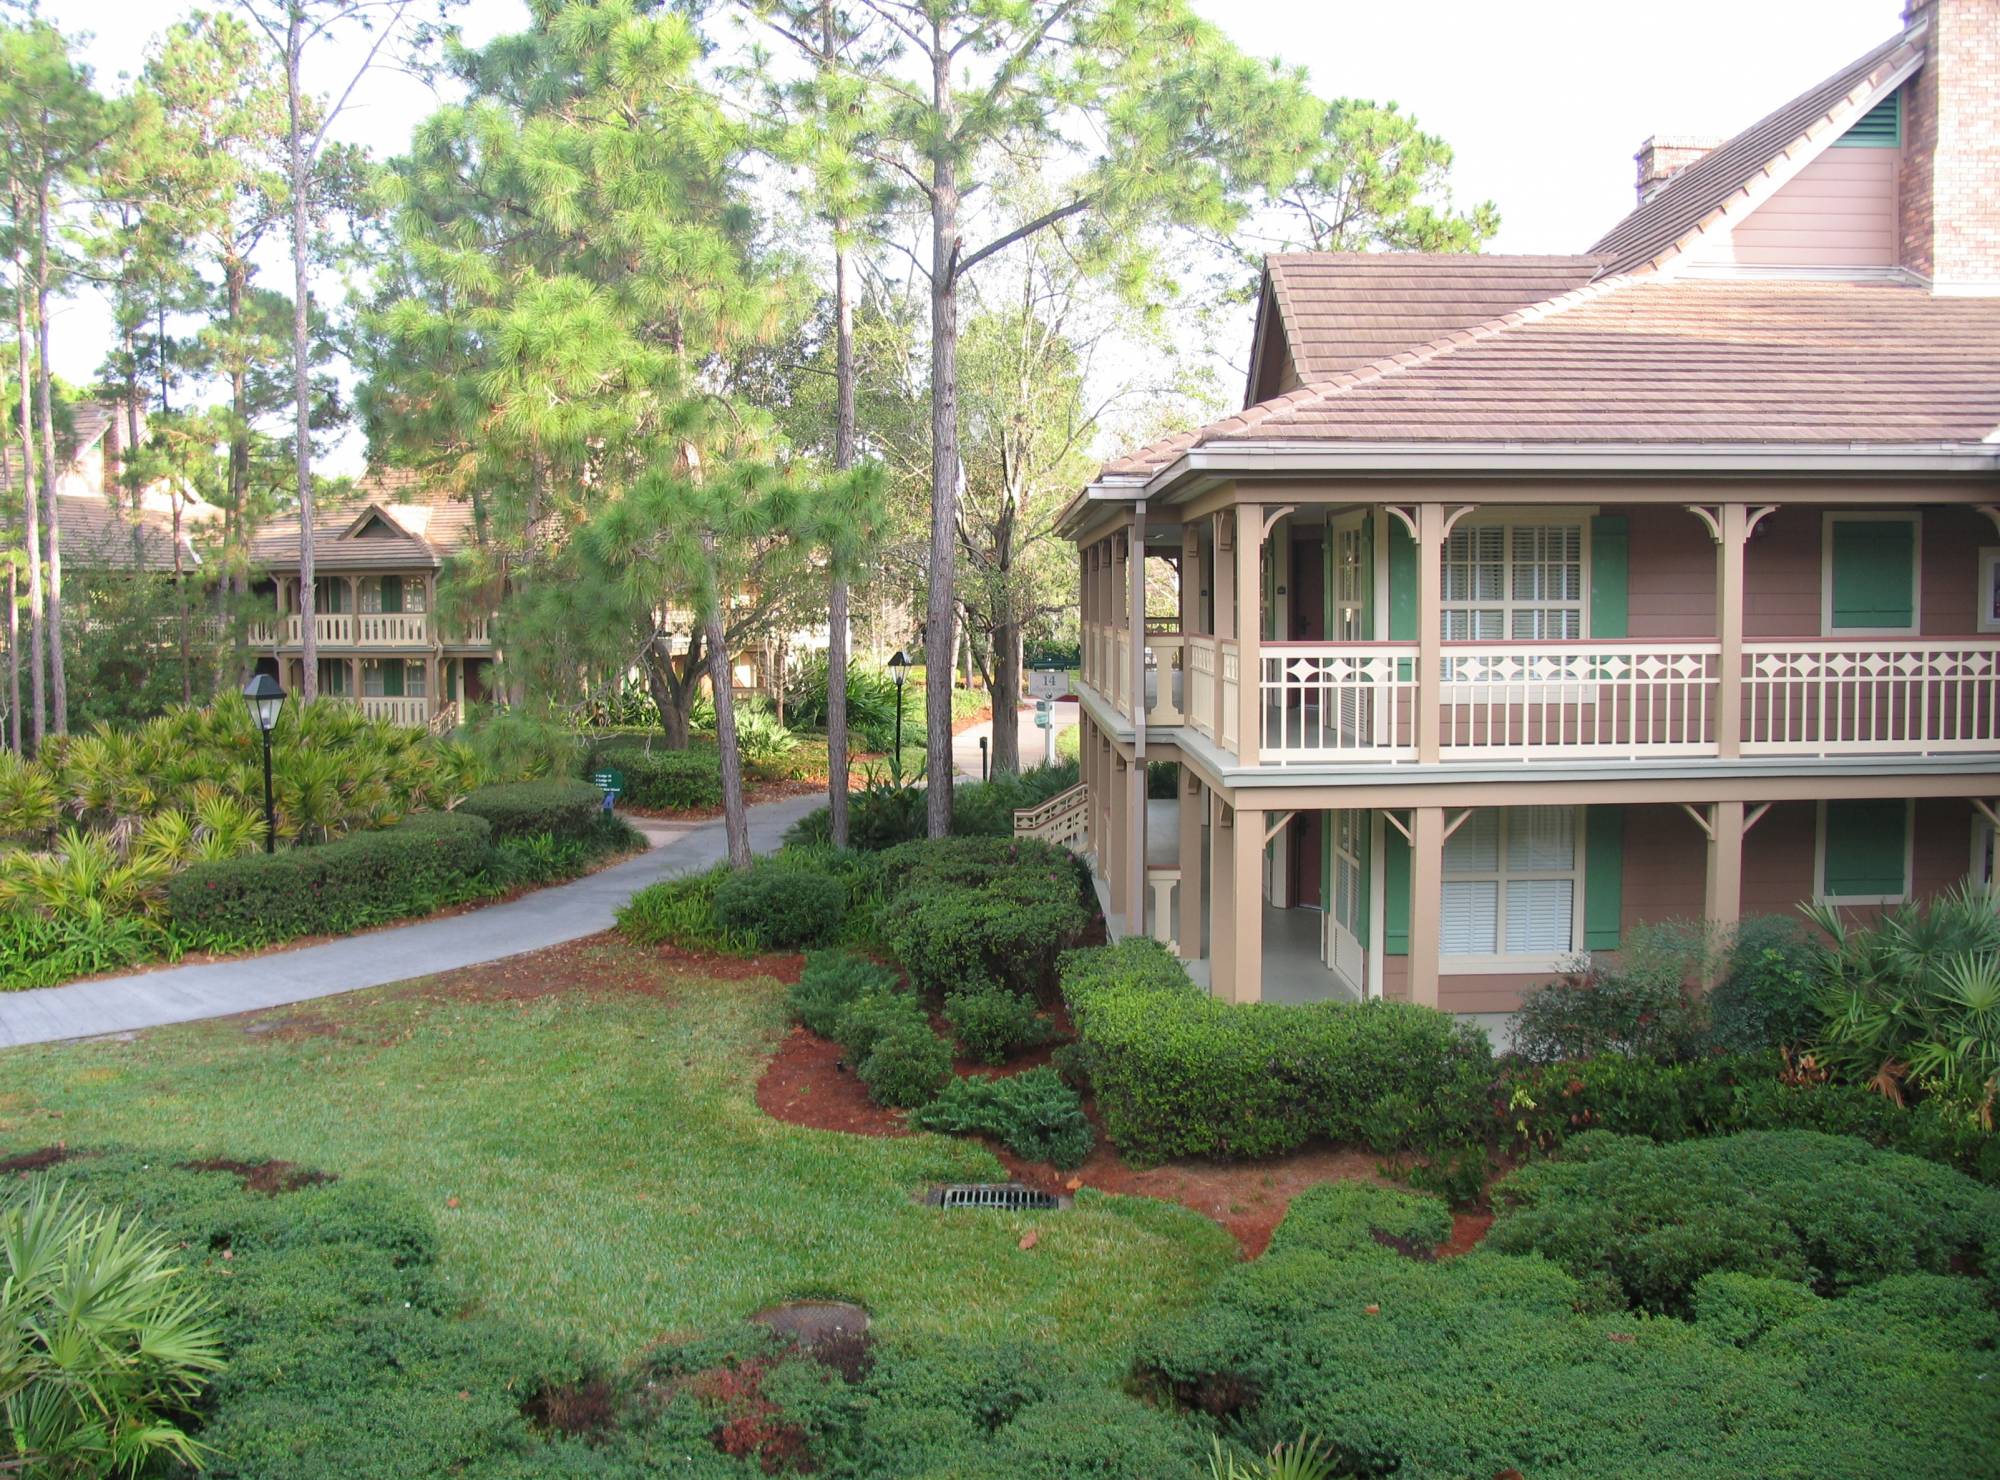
<point x="1543" y="101"/>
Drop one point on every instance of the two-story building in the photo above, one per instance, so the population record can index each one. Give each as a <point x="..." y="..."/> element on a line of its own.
<point x="1529" y="598"/>
<point x="380" y="641"/>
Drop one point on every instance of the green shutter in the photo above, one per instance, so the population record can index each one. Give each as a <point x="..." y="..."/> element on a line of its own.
<point x="1609" y="540"/>
<point x="1603" y="877"/>
<point x="1402" y="583"/>
<point x="392" y="593"/>
<point x="1874" y="573"/>
<point x="1364" y="922"/>
<point x="1368" y="581"/>
<point x="1395" y="892"/>
<point x="392" y="678"/>
<point x="1866" y="847"/>
<point x="1881" y="127"/>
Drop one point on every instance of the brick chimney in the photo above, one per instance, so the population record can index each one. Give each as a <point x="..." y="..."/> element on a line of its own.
<point x="1663" y="156"/>
<point x="1949" y="210"/>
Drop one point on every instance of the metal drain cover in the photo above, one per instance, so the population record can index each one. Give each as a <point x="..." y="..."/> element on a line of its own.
<point x="1004" y="1196"/>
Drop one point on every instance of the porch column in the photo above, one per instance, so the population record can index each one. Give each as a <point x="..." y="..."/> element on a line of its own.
<point x="1135" y="847"/>
<point x="1430" y="653"/>
<point x="1732" y="522"/>
<point x="1119" y="834"/>
<point x="1135" y="600"/>
<point x="1722" y="903"/>
<point x="1193" y="812"/>
<point x="1249" y="633"/>
<point x="1426" y="900"/>
<point x="1223" y="913"/>
<point x="1247" y="941"/>
<point x="354" y="667"/>
<point x="1225" y="610"/>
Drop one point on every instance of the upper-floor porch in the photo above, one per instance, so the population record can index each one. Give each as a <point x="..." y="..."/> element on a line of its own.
<point x="366" y="610"/>
<point x="1313" y="633"/>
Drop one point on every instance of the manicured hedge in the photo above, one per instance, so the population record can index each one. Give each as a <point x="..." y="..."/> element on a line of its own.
<point x="964" y="912"/>
<point x="1033" y="1114"/>
<point x="427" y="860"/>
<point x="1644" y="1222"/>
<point x="665" y="780"/>
<point x="1178" y="1073"/>
<point x="560" y="807"/>
<point x="1493" y="1364"/>
<point x="782" y="903"/>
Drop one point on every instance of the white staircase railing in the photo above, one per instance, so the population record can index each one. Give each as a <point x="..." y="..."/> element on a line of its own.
<point x="1064" y="819"/>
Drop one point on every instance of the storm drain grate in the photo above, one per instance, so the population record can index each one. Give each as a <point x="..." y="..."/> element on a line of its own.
<point x="1006" y="1196"/>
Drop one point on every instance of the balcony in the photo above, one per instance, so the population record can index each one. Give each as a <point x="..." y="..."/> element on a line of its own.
<point x="1613" y="701"/>
<point x="347" y="630"/>
<point x="414" y="713"/>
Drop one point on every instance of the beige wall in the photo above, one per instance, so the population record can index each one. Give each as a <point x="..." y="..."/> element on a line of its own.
<point x="1839" y="211"/>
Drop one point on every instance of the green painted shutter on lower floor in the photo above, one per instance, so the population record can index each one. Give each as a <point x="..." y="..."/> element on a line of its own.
<point x="1603" y="877"/>
<point x="1610" y="540"/>
<point x="1395" y="891"/>
<point x="1873" y="569"/>
<point x="1866" y="850"/>
<point x="392" y="593"/>
<point x="1402" y="583"/>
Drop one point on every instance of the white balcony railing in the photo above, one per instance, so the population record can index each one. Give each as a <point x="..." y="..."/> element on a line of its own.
<point x="1339" y="703"/>
<point x="1064" y="819"/>
<point x="393" y="629"/>
<point x="415" y="713"/>
<point x="351" y="629"/>
<point x="1200" y="699"/>
<point x="1607" y="700"/>
<point x="1227" y="664"/>
<point x="1871" y="696"/>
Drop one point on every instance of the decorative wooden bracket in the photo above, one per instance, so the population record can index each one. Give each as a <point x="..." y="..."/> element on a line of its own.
<point x="1397" y="823"/>
<point x="1711" y="515"/>
<point x="1707" y="516"/>
<point x="1754" y="816"/>
<point x="1451" y="519"/>
<point x="1225" y="530"/>
<point x="1272" y="518"/>
<point x="1992" y="513"/>
<point x="1408" y="516"/>
<point x="1455" y="824"/>
<point x="1277" y="827"/>
<point x="1756" y="517"/>
<point x="1987" y="810"/>
<point x="1705" y="818"/>
<point x="1700" y="819"/>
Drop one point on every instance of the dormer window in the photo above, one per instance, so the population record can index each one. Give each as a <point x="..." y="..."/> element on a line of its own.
<point x="375" y="529"/>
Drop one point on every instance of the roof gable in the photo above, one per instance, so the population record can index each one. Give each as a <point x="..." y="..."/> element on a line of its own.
<point x="1743" y="172"/>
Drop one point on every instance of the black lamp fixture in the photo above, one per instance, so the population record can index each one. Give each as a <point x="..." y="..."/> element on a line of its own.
<point x="266" y="697"/>
<point x="898" y="669"/>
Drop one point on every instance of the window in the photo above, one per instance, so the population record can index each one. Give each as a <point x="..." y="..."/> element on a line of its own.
<point x="1981" y="873"/>
<point x="1864" y="852"/>
<point x="1513" y="582"/>
<point x="330" y="594"/>
<point x="1868" y="575"/>
<point x="393" y="594"/>
<point x="1511" y="884"/>
<point x="332" y="675"/>
<point x="392" y="678"/>
<point x="1989" y="590"/>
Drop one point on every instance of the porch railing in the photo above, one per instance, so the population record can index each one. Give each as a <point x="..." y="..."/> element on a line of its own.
<point x="1064" y="819"/>
<point x="1595" y="699"/>
<point x="1870" y="696"/>
<point x="1201" y="680"/>
<point x="414" y="712"/>
<point x="1339" y="703"/>
<point x="350" y="629"/>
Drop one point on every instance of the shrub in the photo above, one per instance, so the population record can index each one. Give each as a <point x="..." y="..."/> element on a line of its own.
<point x="871" y="696"/>
<point x="884" y="813"/>
<point x="1489" y="1363"/>
<point x="1915" y="996"/>
<point x="992" y="1023"/>
<point x="514" y="744"/>
<point x="907" y="1064"/>
<point x="761" y="739"/>
<point x="1342" y="1218"/>
<point x="1644" y="1005"/>
<point x="1768" y="996"/>
<point x="1033" y="1114"/>
<point x="668" y="780"/>
<point x="681" y="912"/>
<point x="432" y="858"/>
<point x="967" y="911"/>
<point x="781" y="904"/>
<point x="1830" y="1211"/>
<point x="1178" y="1073"/>
<point x="105" y="1349"/>
<point x="875" y="1010"/>
<point x="561" y="807"/>
<point x="828" y="986"/>
<point x="38" y="952"/>
<point x="881" y="814"/>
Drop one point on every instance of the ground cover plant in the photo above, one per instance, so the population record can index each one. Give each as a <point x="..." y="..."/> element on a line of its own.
<point x="1349" y="1329"/>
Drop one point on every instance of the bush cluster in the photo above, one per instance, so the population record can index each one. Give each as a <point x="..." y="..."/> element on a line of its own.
<point x="885" y="813"/>
<point x="993" y="1023"/>
<point x="1033" y="1114"/>
<point x="782" y="903"/>
<point x="1641" y="1223"/>
<point x="681" y="912"/>
<point x="1492" y="1363"/>
<point x="963" y="912"/>
<point x="1645" y="1005"/>
<point x="561" y="807"/>
<point x="889" y="1040"/>
<point x="663" y="780"/>
<point x="828" y="985"/>
<point x="429" y="859"/>
<point x="1178" y="1073"/>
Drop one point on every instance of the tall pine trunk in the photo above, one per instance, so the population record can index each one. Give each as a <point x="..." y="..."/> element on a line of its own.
<point x="940" y="630"/>
<point x="302" y="387"/>
<point x="735" y="815"/>
<point x="51" y="510"/>
<point x="32" y="538"/>
<point x="13" y="655"/>
<point x="836" y="601"/>
<point x="235" y="277"/>
<point x="1004" y="661"/>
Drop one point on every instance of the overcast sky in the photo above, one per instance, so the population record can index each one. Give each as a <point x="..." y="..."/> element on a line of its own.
<point x="1543" y="100"/>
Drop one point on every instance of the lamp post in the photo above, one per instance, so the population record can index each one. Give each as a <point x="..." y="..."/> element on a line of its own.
<point x="898" y="665"/>
<point x="266" y="697"/>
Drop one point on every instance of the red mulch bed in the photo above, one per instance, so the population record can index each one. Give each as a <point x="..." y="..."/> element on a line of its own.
<point x="807" y="1084"/>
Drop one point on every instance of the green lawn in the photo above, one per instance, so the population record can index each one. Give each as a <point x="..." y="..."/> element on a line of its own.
<point x="614" y="1179"/>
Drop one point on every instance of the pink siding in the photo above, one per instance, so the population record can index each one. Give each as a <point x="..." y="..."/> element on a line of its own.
<point x="1782" y="573"/>
<point x="1839" y="211"/>
<point x="1670" y="576"/>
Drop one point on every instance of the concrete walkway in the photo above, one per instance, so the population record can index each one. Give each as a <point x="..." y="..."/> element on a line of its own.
<point x="965" y="747"/>
<point x="547" y="917"/>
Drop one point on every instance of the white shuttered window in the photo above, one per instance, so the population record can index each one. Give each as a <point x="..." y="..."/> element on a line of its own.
<point x="1513" y="582"/>
<point x="1511" y="876"/>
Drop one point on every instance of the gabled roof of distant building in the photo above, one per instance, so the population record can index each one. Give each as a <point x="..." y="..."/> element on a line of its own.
<point x="388" y="523"/>
<point x="1735" y="174"/>
<point x="100" y="535"/>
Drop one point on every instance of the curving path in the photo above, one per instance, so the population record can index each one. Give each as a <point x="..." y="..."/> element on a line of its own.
<point x="547" y="917"/>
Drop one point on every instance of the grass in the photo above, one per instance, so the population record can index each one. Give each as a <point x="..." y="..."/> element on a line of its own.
<point x="599" y="1167"/>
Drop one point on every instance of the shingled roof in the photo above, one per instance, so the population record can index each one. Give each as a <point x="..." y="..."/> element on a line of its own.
<point x="416" y="530"/>
<point x="1708" y="189"/>
<point x="1696" y="361"/>
<point x="100" y="535"/>
<point x="1343" y="310"/>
